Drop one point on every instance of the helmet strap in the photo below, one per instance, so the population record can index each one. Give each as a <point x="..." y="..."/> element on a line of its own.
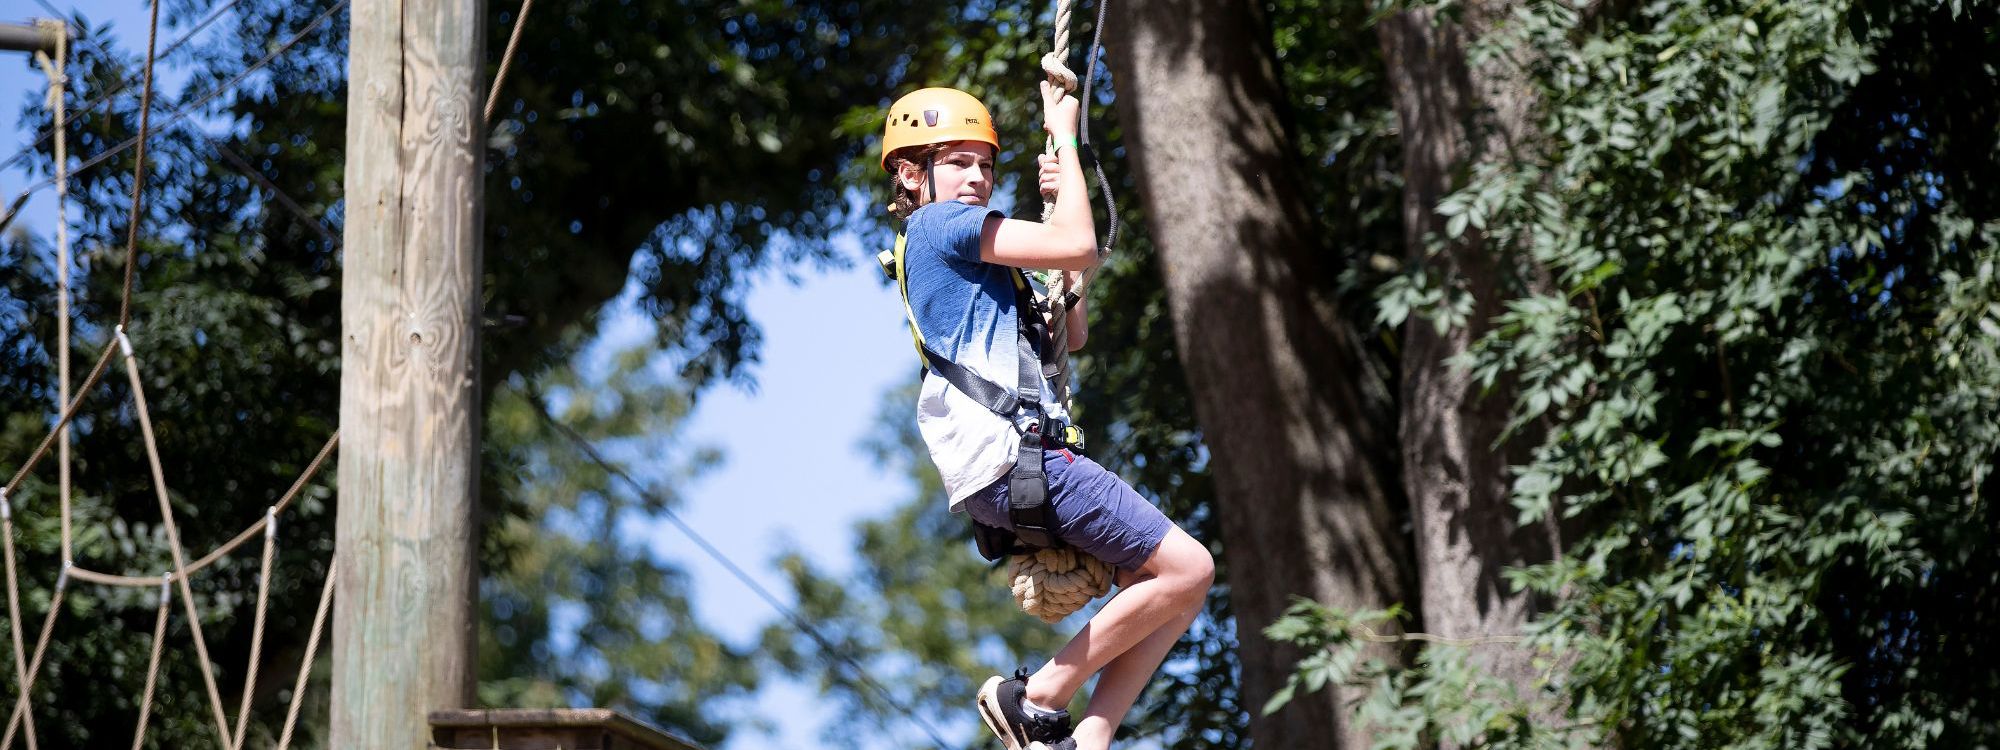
<point x="930" y="177"/>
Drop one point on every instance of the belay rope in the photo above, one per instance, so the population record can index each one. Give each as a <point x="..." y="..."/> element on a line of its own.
<point x="1052" y="584"/>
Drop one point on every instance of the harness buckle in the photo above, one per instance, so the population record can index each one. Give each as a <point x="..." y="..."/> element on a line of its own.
<point x="888" y="260"/>
<point x="1063" y="436"/>
<point x="1072" y="436"/>
<point x="1032" y="426"/>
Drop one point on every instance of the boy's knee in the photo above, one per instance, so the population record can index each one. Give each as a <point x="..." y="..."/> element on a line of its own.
<point x="1196" y="574"/>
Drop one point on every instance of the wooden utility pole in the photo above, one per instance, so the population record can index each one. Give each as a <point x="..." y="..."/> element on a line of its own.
<point x="403" y="629"/>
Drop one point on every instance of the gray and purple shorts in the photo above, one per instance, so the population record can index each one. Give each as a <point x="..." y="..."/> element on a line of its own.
<point x="1095" y="511"/>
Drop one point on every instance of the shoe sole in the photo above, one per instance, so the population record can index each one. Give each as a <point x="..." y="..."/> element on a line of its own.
<point x="989" y="712"/>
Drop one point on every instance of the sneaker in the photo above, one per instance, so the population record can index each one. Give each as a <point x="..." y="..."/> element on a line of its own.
<point x="1002" y="704"/>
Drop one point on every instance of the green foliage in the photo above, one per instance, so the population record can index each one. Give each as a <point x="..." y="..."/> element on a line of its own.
<point x="1344" y="127"/>
<point x="1443" y="697"/>
<point x="1764" y="362"/>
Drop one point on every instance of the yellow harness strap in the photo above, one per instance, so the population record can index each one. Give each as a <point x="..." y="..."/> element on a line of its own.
<point x="896" y="268"/>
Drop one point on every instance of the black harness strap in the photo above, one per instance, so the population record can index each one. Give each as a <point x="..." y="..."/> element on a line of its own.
<point x="988" y="393"/>
<point x="1028" y="486"/>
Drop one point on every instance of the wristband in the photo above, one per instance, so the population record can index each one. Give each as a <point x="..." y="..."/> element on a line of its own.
<point x="1064" y="140"/>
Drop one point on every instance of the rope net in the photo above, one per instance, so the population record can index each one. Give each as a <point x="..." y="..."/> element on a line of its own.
<point x="28" y="663"/>
<point x="20" y="721"/>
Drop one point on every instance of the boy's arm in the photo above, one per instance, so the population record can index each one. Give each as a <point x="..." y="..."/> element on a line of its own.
<point x="1078" y="321"/>
<point x="1068" y="240"/>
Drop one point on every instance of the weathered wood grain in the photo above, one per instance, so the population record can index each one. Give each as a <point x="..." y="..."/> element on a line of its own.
<point x="403" y="620"/>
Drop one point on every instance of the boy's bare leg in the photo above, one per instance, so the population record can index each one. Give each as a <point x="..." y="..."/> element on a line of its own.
<point x="1162" y="597"/>
<point x="1123" y="680"/>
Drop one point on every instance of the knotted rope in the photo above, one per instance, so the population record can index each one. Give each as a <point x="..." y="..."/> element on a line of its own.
<point x="1051" y="584"/>
<point x="1061" y="295"/>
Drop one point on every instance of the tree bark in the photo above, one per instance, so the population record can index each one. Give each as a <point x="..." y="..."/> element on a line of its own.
<point x="1453" y="117"/>
<point x="1306" y="505"/>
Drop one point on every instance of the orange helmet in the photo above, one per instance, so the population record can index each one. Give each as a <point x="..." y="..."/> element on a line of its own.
<point x="936" y="115"/>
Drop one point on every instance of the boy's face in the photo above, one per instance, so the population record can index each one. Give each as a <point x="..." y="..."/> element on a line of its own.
<point x="964" y="173"/>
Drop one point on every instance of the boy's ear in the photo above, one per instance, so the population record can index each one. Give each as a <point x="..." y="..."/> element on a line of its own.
<point x="909" y="175"/>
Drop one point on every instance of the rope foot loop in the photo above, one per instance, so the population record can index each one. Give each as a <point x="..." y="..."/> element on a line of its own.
<point x="1051" y="584"/>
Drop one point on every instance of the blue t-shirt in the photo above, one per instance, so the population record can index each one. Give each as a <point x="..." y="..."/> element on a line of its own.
<point x="966" y="311"/>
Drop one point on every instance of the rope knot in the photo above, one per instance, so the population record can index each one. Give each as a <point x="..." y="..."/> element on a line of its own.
<point x="1051" y="584"/>
<point x="1059" y="72"/>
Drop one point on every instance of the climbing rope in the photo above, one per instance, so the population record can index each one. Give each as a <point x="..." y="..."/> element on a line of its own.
<point x="173" y="531"/>
<point x="57" y="70"/>
<point x="257" y="625"/>
<point x="267" y="526"/>
<point x="1055" y="64"/>
<point x="1051" y="584"/>
<point x="305" y="665"/>
<point x="20" y="712"/>
<point x="153" y="662"/>
<point x="14" y="605"/>
<point x="139" y="166"/>
<point x="507" y="59"/>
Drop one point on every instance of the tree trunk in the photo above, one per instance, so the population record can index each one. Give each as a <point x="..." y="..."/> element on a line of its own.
<point x="1305" y="503"/>
<point x="1452" y="118"/>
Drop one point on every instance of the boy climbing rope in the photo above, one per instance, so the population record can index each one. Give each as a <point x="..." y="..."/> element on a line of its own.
<point x="999" y="437"/>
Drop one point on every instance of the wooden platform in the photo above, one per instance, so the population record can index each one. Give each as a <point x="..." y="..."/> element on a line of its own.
<point x="547" y="729"/>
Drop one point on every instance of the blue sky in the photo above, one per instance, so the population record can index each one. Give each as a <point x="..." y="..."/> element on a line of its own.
<point x="791" y="451"/>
